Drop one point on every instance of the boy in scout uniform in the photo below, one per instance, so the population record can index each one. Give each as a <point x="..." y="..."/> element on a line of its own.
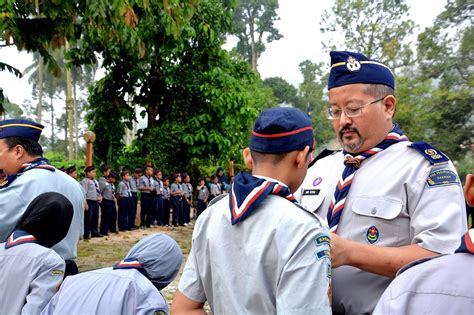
<point x="93" y="198"/>
<point x="108" y="218"/>
<point x="254" y="250"/>
<point x="146" y="186"/>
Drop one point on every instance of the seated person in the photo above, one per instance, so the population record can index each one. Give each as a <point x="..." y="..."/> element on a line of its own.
<point x="130" y="287"/>
<point x="31" y="272"/>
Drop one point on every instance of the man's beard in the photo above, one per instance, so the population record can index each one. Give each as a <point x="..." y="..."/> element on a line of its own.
<point x="350" y="147"/>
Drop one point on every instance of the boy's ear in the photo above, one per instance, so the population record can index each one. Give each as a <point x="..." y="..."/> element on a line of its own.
<point x="247" y="158"/>
<point x="302" y="157"/>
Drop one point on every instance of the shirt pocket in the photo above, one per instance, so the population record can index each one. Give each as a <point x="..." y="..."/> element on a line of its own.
<point x="377" y="220"/>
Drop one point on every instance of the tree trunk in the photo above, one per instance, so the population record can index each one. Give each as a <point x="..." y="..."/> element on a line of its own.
<point x="252" y="47"/>
<point x="39" y="107"/>
<point x="52" y="124"/>
<point x="69" y="109"/>
<point x="76" y="123"/>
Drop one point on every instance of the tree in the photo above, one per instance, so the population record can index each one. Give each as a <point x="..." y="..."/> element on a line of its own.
<point x="254" y="25"/>
<point x="282" y="90"/>
<point x="446" y="55"/>
<point x="377" y="28"/>
<point x="3" y="98"/>
<point x="187" y="87"/>
<point x="311" y="93"/>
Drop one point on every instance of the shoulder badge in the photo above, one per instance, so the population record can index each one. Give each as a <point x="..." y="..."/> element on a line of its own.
<point x="442" y="178"/>
<point x="430" y="153"/>
<point x="322" y="155"/>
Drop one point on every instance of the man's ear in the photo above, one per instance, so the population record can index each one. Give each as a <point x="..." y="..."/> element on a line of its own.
<point x="301" y="157"/>
<point x="390" y="106"/>
<point x="248" y="158"/>
<point x="19" y="151"/>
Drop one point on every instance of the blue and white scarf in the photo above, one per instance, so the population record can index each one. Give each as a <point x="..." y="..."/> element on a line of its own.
<point x="248" y="191"/>
<point x="38" y="163"/>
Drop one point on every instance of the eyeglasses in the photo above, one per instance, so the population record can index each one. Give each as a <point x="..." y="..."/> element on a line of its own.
<point x="349" y="111"/>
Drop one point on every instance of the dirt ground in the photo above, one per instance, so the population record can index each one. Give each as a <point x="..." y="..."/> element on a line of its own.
<point x="106" y="251"/>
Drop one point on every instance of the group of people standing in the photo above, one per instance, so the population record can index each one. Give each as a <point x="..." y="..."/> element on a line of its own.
<point x="158" y="198"/>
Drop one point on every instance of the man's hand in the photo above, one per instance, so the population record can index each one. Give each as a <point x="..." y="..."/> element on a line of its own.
<point x="339" y="251"/>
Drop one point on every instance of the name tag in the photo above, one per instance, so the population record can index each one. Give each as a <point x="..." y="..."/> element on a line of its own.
<point x="311" y="192"/>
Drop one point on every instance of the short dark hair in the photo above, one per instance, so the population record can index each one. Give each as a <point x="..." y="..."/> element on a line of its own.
<point x="273" y="158"/>
<point x="123" y="173"/>
<point x="33" y="148"/>
<point x="379" y="90"/>
<point x="104" y="168"/>
<point x="176" y="175"/>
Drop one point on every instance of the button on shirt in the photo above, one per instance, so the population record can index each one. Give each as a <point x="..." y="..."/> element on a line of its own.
<point x="134" y="184"/>
<point x="268" y="264"/>
<point x="124" y="189"/>
<point x="107" y="291"/>
<point x="187" y="190"/>
<point x="389" y="204"/>
<point x="30" y="275"/>
<point x="108" y="191"/>
<point x="146" y="181"/>
<point x="91" y="187"/>
<point x="15" y="198"/>
<point x="166" y="193"/>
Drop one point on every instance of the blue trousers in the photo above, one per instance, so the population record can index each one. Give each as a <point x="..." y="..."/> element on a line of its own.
<point x="91" y="218"/>
<point x="166" y="211"/>
<point x="201" y="206"/>
<point x="177" y="210"/>
<point x="108" y="217"/>
<point x="159" y="209"/>
<point x="146" y="204"/>
<point x="124" y="212"/>
<point x="186" y="209"/>
<point x="133" y="209"/>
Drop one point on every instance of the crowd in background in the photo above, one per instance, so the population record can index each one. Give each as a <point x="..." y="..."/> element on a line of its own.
<point x="164" y="200"/>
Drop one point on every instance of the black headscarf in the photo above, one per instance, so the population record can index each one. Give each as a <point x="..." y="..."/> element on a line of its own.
<point x="47" y="218"/>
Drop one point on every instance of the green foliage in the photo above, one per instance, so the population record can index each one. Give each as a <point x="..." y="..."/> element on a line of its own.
<point x="376" y="28"/>
<point x="282" y="90"/>
<point x="254" y="25"/>
<point x="445" y="51"/>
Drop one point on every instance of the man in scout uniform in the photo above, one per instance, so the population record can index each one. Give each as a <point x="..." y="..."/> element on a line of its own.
<point x="28" y="175"/>
<point x="254" y="250"/>
<point x="388" y="201"/>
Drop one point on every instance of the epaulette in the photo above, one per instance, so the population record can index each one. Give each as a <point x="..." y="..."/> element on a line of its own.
<point x="429" y="152"/>
<point x="321" y="155"/>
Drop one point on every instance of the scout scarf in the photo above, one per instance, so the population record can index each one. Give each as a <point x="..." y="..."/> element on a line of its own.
<point x="38" y="163"/>
<point x="467" y="245"/>
<point x="18" y="238"/>
<point x="352" y="165"/>
<point x="248" y="191"/>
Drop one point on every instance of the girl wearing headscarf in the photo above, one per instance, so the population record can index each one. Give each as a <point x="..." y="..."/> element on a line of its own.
<point x="31" y="272"/>
<point x="130" y="287"/>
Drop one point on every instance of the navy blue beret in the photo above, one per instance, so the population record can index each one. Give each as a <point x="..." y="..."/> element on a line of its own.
<point x="70" y="169"/>
<point x="280" y="130"/>
<point x="20" y="128"/>
<point x="350" y="68"/>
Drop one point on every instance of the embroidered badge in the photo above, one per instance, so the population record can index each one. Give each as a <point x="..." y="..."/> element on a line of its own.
<point x="310" y="192"/>
<point x="57" y="272"/>
<point x="317" y="181"/>
<point x="322" y="239"/>
<point x="373" y="234"/>
<point x="442" y="178"/>
<point x="322" y="254"/>
<point x="352" y="64"/>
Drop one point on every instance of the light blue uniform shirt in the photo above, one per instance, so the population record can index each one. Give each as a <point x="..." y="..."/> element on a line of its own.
<point x="108" y="291"/>
<point x="441" y="285"/>
<point x="15" y="198"/>
<point x="30" y="275"/>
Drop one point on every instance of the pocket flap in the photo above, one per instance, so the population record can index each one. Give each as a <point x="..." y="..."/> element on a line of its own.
<point x="377" y="207"/>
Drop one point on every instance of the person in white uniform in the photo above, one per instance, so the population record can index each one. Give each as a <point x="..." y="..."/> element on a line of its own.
<point x="29" y="174"/>
<point x="437" y="285"/>
<point x="130" y="287"/>
<point x="255" y="251"/>
<point x="388" y="201"/>
<point x="31" y="272"/>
